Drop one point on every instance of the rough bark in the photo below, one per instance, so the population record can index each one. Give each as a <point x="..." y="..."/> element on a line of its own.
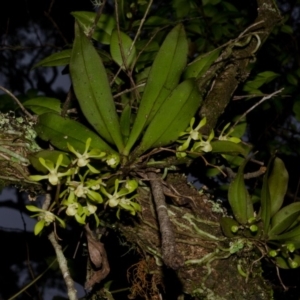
<point x="230" y="71"/>
<point x="210" y="270"/>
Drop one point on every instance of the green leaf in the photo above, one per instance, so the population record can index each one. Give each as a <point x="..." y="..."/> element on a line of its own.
<point x="92" y="89"/>
<point x="287" y="29"/>
<point x="39" y="227"/>
<point x="157" y="21"/>
<point x="125" y="121"/>
<point x="120" y="44"/>
<point x="104" y="26"/>
<point x="239" y="198"/>
<point x="227" y="224"/>
<point x="163" y="78"/>
<point x="278" y="184"/>
<point x="33" y="208"/>
<point x="61" y="58"/>
<point x="282" y="262"/>
<point x="173" y="116"/>
<point x="292" y="79"/>
<point x="42" y="105"/>
<point x="284" y="218"/>
<point x="59" y="131"/>
<point x="201" y="64"/>
<point x="228" y="147"/>
<point x="51" y="155"/>
<point x="239" y="130"/>
<point x="181" y="7"/>
<point x="260" y="79"/>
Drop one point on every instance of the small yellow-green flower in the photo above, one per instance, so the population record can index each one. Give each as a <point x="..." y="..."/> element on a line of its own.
<point x="83" y="160"/>
<point x="72" y="209"/>
<point x="204" y="146"/>
<point x="225" y="137"/>
<point x="54" y="175"/>
<point x="112" y="160"/>
<point x="118" y="197"/>
<point x="193" y="134"/>
<point x="45" y="218"/>
<point x="85" y="189"/>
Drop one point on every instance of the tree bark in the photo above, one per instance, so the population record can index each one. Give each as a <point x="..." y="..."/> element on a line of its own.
<point x="211" y="269"/>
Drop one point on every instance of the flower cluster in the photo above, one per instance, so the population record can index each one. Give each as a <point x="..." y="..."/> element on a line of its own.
<point x="192" y="135"/>
<point x="192" y="140"/>
<point x="83" y="192"/>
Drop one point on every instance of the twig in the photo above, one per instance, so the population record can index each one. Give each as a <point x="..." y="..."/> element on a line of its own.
<point x="32" y="273"/>
<point x="62" y="262"/>
<point x="280" y="280"/>
<point x="141" y="26"/>
<point x="66" y="104"/>
<point x="170" y="256"/>
<point x="50" y="6"/>
<point x="63" y="265"/>
<point x="98" y="14"/>
<point x="249" y="27"/>
<point x="128" y="90"/>
<point x="250" y="175"/>
<point x="18" y="102"/>
<point x="56" y="27"/>
<point x="255" y="105"/>
<point x="33" y="281"/>
<point x="125" y="56"/>
<point x="119" y="38"/>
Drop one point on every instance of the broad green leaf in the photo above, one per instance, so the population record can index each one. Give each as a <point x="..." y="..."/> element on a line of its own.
<point x="61" y="58"/>
<point x="163" y="78"/>
<point x="228" y="147"/>
<point x="125" y="121"/>
<point x="51" y="155"/>
<point x="181" y="7"/>
<point x="92" y="89"/>
<point x="284" y="218"/>
<point x="292" y="79"/>
<point x="201" y="64"/>
<point x="157" y="21"/>
<point x="278" y="184"/>
<point x="212" y="172"/>
<point x="59" y="131"/>
<point x="239" y="198"/>
<point x="120" y="45"/>
<point x="42" y="105"/>
<point x="103" y="29"/>
<point x="239" y="130"/>
<point x="146" y="46"/>
<point x="260" y="79"/>
<point x="173" y="116"/>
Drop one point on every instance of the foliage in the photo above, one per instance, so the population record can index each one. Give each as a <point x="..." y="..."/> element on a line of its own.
<point x="141" y="84"/>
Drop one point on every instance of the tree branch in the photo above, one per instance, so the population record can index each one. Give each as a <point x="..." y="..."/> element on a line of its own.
<point x="231" y="69"/>
<point x="62" y="262"/>
<point x="170" y="255"/>
<point x="63" y="265"/>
